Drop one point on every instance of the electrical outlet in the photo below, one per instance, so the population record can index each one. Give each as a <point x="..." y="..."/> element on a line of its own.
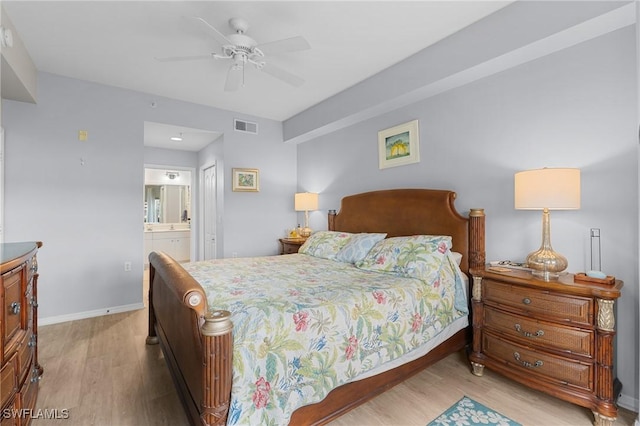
<point x="127" y="266"/>
<point x="234" y="254"/>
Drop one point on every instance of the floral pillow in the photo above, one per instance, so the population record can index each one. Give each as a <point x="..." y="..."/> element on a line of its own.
<point x="358" y="246"/>
<point x="325" y="244"/>
<point x="417" y="256"/>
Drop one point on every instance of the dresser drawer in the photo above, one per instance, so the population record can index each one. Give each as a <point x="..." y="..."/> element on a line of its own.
<point x="25" y="353"/>
<point x="570" y="340"/>
<point x="7" y="381"/>
<point x="289" y="248"/>
<point x="543" y="304"/>
<point x="12" y="282"/>
<point x="29" y="392"/>
<point x="290" y="245"/>
<point x="546" y="366"/>
<point x="9" y="418"/>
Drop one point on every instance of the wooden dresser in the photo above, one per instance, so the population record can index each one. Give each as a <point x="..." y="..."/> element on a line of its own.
<point x="290" y="245"/>
<point x="556" y="337"/>
<point x="20" y="371"/>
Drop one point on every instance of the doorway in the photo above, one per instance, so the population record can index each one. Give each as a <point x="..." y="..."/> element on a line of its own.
<point x="167" y="212"/>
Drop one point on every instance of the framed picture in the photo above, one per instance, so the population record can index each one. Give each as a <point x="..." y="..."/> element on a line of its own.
<point x="245" y="180"/>
<point x="399" y="145"/>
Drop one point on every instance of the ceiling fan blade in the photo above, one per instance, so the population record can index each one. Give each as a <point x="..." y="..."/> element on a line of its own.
<point x="293" y="44"/>
<point x="282" y="74"/>
<point x="220" y="38"/>
<point x="183" y="58"/>
<point x="234" y="78"/>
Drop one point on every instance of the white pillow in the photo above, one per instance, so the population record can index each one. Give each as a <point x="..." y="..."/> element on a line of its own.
<point x="457" y="257"/>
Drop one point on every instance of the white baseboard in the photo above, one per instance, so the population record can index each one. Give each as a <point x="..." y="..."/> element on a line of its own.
<point x="89" y="314"/>
<point x="629" y="403"/>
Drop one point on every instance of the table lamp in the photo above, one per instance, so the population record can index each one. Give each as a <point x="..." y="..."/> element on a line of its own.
<point x="306" y="201"/>
<point x="547" y="189"/>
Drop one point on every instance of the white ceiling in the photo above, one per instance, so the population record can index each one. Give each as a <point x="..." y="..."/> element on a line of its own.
<point x="158" y="135"/>
<point x="116" y="43"/>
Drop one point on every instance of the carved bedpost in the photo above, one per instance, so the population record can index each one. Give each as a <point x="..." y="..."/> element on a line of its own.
<point x="218" y="353"/>
<point x="476" y="238"/>
<point x="332" y="220"/>
<point x="152" y="338"/>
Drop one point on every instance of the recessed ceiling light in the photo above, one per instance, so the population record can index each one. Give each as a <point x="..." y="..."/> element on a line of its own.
<point x="176" y="138"/>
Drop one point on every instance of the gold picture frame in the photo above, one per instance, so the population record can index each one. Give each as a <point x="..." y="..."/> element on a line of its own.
<point x="245" y="180"/>
<point x="399" y="145"/>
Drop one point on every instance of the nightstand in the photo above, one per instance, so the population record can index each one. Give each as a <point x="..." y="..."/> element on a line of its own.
<point x="290" y="245"/>
<point x="556" y="337"/>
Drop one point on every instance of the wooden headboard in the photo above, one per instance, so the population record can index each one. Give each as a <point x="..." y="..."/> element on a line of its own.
<point x="402" y="212"/>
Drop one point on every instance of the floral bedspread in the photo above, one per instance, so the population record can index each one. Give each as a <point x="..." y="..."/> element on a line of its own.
<point x="305" y="325"/>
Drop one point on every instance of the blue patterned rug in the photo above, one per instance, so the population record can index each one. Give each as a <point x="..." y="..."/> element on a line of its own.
<point x="468" y="412"/>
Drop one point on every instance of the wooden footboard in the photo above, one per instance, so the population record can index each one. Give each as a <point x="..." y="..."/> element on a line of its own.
<point x="197" y="342"/>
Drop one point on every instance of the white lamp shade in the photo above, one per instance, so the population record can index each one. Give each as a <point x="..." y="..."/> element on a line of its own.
<point x="554" y="189"/>
<point x="306" y="201"/>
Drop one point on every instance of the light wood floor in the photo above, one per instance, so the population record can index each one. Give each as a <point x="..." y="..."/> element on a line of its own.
<point x="101" y="370"/>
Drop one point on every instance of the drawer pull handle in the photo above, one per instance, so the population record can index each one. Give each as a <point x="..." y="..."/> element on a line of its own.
<point x="527" y="364"/>
<point x="519" y="329"/>
<point x="526" y="301"/>
<point x="15" y="308"/>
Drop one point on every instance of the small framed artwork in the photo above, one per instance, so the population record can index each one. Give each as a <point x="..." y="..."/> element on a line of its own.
<point x="399" y="145"/>
<point x="245" y="180"/>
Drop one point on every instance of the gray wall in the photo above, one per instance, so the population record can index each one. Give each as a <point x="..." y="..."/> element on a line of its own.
<point x="89" y="215"/>
<point x="573" y="108"/>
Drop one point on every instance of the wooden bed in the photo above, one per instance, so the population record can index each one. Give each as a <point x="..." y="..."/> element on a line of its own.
<point x="197" y="339"/>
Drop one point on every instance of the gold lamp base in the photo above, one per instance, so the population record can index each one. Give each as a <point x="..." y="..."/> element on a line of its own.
<point x="545" y="262"/>
<point x="305" y="232"/>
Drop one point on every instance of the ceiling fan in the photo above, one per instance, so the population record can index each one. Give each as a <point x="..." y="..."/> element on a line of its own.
<point x="243" y="50"/>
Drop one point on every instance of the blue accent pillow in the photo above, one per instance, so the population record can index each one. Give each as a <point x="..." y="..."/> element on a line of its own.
<point x="358" y="247"/>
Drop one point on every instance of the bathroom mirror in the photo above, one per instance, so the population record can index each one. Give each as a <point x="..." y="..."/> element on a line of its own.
<point x="167" y="203"/>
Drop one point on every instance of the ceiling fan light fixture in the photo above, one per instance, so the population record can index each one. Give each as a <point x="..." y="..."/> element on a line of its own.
<point x="243" y="49"/>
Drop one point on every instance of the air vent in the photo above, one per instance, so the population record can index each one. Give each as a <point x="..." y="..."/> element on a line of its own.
<point x="245" y="126"/>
